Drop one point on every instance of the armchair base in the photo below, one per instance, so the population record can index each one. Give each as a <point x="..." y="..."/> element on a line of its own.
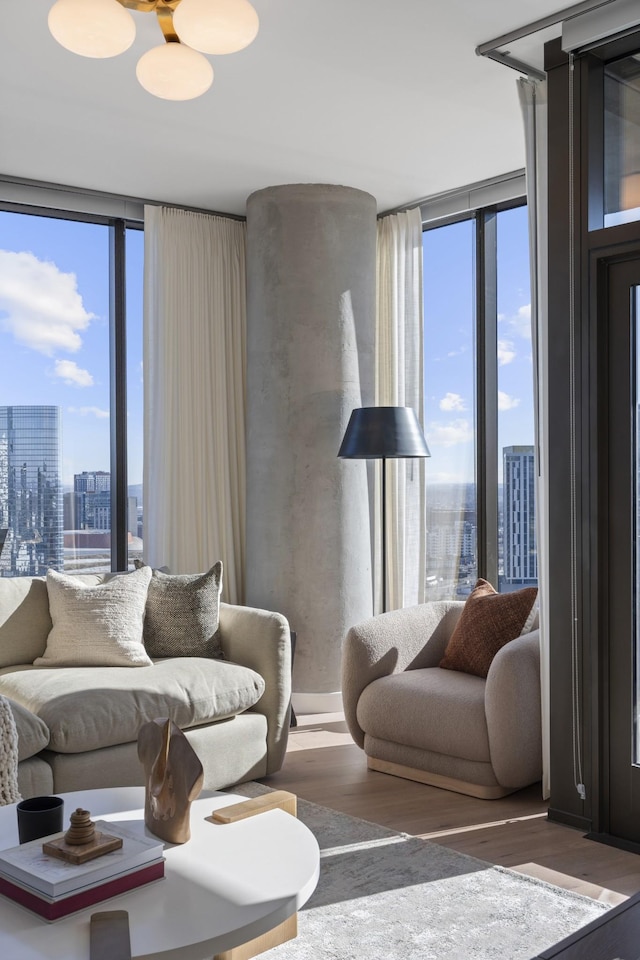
<point x="437" y="780"/>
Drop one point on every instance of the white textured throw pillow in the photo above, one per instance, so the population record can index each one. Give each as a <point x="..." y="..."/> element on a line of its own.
<point x="96" y="626"/>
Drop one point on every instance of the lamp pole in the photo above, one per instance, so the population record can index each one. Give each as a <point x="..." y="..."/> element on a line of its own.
<point x="384" y="535"/>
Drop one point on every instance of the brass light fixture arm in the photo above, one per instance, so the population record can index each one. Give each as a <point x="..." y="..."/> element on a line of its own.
<point x="163" y="10"/>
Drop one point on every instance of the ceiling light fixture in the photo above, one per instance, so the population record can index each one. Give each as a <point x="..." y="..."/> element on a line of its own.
<point x="175" y="70"/>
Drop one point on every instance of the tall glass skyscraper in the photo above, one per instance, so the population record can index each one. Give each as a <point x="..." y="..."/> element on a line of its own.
<point x="519" y="517"/>
<point x="30" y="490"/>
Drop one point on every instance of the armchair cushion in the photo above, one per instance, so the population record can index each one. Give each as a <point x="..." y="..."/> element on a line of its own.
<point x="432" y="709"/>
<point x="489" y="620"/>
<point x="406" y="639"/>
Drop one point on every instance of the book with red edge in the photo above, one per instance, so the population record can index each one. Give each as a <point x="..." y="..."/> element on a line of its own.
<point x="51" y="877"/>
<point x="54" y="908"/>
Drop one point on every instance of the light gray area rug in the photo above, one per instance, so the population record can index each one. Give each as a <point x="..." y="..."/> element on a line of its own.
<point x="384" y="895"/>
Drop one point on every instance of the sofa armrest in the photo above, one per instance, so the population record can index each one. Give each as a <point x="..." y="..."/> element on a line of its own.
<point x="512" y="707"/>
<point x="261" y="640"/>
<point x="406" y="639"/>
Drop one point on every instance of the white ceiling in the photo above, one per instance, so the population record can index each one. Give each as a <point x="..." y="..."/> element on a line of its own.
<point x="385" y="95"/>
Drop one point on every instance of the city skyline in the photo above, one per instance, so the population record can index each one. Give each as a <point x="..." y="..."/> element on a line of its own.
<point x="54" y="332"/>
<point x="41" y="527"/>
<point x="31" y="538"/>
<point x="54" y="319"/>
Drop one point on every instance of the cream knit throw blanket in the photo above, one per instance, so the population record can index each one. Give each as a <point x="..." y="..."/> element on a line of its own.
<point x="8" y="755"/>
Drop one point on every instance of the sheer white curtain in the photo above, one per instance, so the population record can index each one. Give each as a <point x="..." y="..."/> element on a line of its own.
<point x="194" y="387"/>
<point x="533" y="101"/>
<point x="399" y="382"/>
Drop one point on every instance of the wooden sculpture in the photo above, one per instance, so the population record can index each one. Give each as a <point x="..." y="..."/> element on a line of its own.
<point x="173" y="779"/>
<point x="82" y="829"/>
<point x="82" y="841"/>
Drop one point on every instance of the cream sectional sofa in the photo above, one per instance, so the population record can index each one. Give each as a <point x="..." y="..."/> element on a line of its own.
<point x="77" y="726"/>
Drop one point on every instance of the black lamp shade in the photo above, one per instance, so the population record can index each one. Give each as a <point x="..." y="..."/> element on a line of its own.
<point x="374" y="433"/>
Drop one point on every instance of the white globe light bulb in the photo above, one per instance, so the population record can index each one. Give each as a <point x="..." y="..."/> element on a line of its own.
<point x="92" y="28"/>
<point x="174" y="72"/>
<point x="216" y="26"/>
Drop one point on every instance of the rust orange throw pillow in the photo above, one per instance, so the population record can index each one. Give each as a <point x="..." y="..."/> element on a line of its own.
<point x="488" y="621"/>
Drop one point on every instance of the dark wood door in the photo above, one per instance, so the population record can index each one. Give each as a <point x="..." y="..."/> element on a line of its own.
<point x="621" y="515"/>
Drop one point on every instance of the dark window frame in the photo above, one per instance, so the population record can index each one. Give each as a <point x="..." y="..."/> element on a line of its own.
<point x="486" y="365"/>
<point x="595" y="246"/>
<point x="118" y="227"/>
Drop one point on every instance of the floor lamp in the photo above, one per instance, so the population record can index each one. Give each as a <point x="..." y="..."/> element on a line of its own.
<point x="383" y="433"/>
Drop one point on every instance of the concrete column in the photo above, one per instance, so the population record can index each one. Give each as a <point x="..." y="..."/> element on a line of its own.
<point x="310" y="354"/>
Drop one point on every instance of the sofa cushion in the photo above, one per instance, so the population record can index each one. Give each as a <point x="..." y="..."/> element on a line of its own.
<point x="35" y="778"/>
<point x="430" y="709"/>
<point x="25" y="622"/>
<point x="33" y="733"/>
<point x="96" y="625"/>
<point x="90" y="707"/>
<point x="488" y="621"/>
<point x="24" y="619"/>
<point x="182" y="614"/>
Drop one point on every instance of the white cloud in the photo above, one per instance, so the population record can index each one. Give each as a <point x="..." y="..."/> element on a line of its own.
<point x="42" y="306"/>
<point x="452" y="401"/>
<point x="520" y="324"/>
<point x="506" y="352"/>
<point x="72" y="374"/>
<point x="90" y="412"/>
<point x="505" y="402"/>
<point x="449" y="434"/>
<point x="458" y="352"/>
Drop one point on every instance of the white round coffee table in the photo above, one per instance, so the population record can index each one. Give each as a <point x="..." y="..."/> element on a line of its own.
<point x="228" y="884"/>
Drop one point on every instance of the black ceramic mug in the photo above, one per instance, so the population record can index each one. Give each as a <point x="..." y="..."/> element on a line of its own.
<point x="39" y="817"/>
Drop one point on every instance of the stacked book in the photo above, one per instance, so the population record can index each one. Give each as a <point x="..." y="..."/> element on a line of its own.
<point x="54" y="888"/>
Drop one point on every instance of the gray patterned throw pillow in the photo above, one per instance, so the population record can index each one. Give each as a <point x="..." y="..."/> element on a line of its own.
<point x="182" y="614"/>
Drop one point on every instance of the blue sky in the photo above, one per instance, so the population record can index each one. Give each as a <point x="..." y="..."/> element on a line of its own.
<point x="449" y="306"/>
<point x="54" y="337"/>
<point x="54" y="332"/>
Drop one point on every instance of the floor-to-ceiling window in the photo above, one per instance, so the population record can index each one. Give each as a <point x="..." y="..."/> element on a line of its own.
<point x="57" y="451"/>
<point x="479" y="403"/>
<point x="517" y="553"/>
<point x="450" y="408"/>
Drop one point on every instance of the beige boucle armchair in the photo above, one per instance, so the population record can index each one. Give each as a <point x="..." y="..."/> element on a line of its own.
<point x="441" y="727"/>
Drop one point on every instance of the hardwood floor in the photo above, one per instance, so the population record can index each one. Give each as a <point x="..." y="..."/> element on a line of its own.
<point x="325" y="766"/>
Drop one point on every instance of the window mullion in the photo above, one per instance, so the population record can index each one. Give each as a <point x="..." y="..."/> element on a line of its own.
<point x="118" y="367"/>
<point x="487" y="394"/>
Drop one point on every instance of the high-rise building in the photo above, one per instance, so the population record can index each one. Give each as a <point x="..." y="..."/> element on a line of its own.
<point x="88" y="507"/>
<point x="102" y="510"/>
<point x="92" y="481"/>
<point x="519" y="516"/>
<point x="30" y="490"/>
